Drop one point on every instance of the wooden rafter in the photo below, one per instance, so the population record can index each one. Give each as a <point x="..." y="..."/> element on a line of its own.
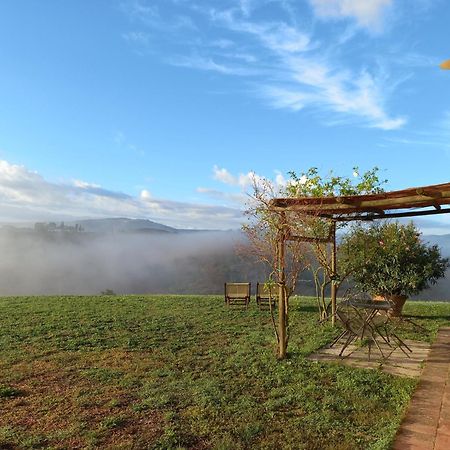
<point x="371" y="204"/>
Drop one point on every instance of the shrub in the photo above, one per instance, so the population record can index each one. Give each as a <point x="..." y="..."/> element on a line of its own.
<point x="390" y="259"/>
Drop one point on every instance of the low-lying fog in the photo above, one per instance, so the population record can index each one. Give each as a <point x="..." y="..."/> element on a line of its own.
<point x="88" y="263"/>
<point x="56" y="263"/>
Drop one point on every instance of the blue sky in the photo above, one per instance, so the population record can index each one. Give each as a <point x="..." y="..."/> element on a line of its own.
<point x="161" y="108"/>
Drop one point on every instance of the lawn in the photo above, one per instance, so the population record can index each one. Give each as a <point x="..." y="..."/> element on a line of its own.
<point x="165" y="372"/>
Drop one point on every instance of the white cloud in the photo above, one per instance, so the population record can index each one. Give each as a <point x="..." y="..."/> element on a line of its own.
<point x="85" y="185"/>
<point x="243" y="183"/>
<point x="367" y="13"/>
<point x="243" y="180"/>
<point x="223" y="176"/>
<point x="308" y="77"/>
<point x="145" y="195"/>
<point x="246" y="180"/>
<point x="26" y="195"/>
<point x="311" y="81"/>
<point x="239" y="191"/>
<point x="283" y="63"/>
<point x="279" y="179"/>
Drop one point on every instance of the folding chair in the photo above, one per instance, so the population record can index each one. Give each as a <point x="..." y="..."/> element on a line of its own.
<point x="237" y="294"/>
<point x="265" y="294"/>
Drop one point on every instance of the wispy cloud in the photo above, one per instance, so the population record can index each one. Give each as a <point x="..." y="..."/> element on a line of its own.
<point x="308" y="79"/>
<point x="282" y="62"/>
<point x="437" y="135"/>
<point x="141" y="11"/>
<point x="137" y="37"/>
<point x="26" y="195"/>
<point x="121" y="141"/>
<point x="367" y="13"/>
<point x="199" y="62"/>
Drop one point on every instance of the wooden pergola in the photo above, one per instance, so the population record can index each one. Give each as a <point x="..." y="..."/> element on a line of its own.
<point x="411" y="202"/>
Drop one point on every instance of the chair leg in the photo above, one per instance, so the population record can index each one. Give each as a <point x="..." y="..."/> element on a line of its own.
<point x="350" y="339"/>
<point x="339" y="337"/>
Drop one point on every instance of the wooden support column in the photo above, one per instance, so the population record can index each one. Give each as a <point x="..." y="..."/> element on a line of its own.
<point x="333" y="273"/>
<point x="281" y="263"/>
<point x="282" y="324"/>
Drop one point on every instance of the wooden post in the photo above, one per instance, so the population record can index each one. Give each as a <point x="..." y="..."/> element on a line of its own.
<point x="282" y="331"/>
<point x="333" y="273"/>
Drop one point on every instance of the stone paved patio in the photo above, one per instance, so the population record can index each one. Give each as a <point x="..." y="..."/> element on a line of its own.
<point x="396" y="364"/>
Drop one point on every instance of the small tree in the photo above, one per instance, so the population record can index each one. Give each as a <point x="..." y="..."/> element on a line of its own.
<point x="267" y="232"/>
<point x="270" y="233"/>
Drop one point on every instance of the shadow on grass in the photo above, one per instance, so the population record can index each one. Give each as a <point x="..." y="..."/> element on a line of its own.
<point x="307" y="308"/>
<point x="430" y="317"/>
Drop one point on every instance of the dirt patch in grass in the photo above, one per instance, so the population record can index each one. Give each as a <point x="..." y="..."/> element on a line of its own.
<point x="71" y="407"/>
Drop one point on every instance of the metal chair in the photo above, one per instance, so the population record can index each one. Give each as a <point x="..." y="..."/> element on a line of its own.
<point x="366" y="319"/>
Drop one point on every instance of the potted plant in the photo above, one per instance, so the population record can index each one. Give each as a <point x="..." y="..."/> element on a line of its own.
<point x="390" y="260"/>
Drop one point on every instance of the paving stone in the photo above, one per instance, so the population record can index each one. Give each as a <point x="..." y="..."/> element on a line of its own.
<point x="414" y="441"/>
<point x="442" y="442"/>
<point x="444" y="427"/>
<point x="413" y="426"/>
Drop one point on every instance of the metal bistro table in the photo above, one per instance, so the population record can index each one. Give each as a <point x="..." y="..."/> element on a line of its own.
<point x="368" y="319"/>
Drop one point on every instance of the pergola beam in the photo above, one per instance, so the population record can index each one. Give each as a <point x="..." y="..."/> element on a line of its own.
<point x="367" y="217"/>
<point x="420" y="197"/>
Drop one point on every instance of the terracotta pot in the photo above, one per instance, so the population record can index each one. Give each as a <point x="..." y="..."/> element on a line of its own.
<point x="397" y="300"/>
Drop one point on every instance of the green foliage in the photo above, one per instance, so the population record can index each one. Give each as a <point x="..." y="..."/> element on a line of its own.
<point x="112" y="422"/>
<point x="390" y="259"/>
<point x="312" y="184"/>
<point x="8" y="392"/>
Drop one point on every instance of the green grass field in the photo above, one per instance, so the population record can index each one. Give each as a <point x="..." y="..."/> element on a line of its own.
<point x="169" y="372"/>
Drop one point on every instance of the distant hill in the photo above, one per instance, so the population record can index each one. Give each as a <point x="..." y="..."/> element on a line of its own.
<point x="124" y="225"/>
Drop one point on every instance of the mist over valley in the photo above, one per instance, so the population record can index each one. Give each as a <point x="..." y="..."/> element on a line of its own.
<point x="131" y="256"/>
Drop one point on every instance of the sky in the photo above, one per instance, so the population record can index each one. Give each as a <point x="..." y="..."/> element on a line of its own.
<point x="166" y="109"/>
